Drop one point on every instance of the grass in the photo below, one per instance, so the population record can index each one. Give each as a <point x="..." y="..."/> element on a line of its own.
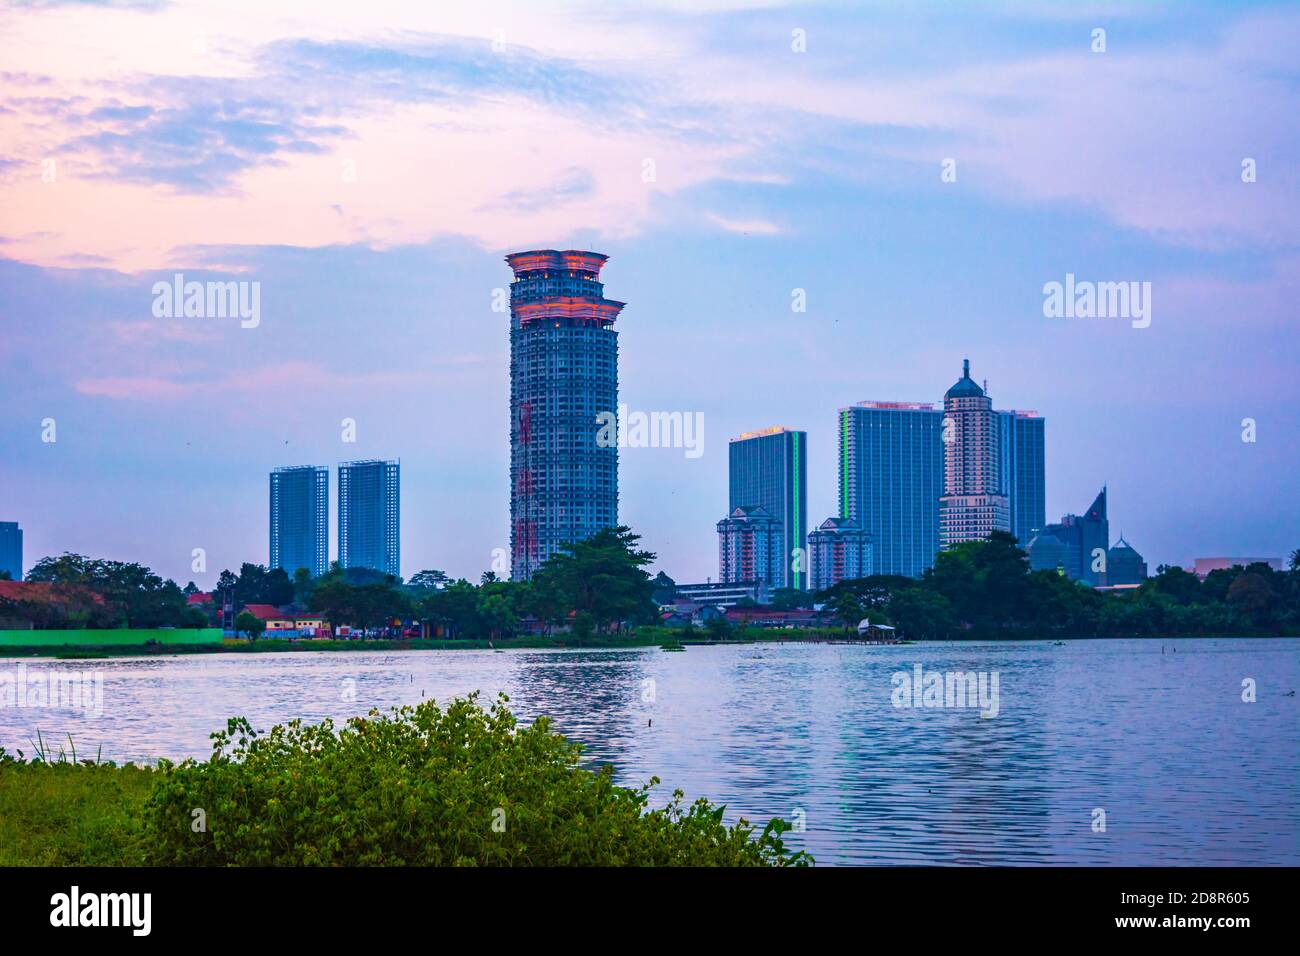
<point x="67" y="814"/>
<point x="419" y="785"/>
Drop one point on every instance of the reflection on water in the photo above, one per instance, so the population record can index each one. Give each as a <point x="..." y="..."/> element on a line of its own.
<point x="1186" y="772"/>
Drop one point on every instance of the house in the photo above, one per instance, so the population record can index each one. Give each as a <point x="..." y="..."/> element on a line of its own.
<point x="878" y="633"/>
<point x="768" y="617"/>
<point x="282" y="623"/>
<point x="198" y="599"/>
<point x="683" y="613"/>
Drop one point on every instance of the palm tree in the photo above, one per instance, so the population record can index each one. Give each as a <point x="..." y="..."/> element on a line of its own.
<point x="1295" y="560"/>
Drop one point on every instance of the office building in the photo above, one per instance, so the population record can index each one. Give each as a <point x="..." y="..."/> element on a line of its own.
<point x="1021" y="464"/>
<point x="723" y="594"/>
<point x="370" y="515"/>
<point x="973" y="504"/>
<point x="769" y="469"/>
<point x="299" y="519"/>
<point x="11" y="549"/>
<point x="563" y="377"/>
<point x="1124" y="566"/>
<point x="1086" y="538"/>
<point x="890" y="480"/>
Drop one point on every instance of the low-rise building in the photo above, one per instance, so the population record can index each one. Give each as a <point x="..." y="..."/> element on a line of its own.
<point x="724" y="594"/>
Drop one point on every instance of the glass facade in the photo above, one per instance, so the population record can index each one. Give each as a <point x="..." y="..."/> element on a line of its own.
<point x="11" y="549"/>
<point x="769" y="469"/>
<point x="300" y="519"/>
<point x="563" y="375"/>
<point x="370" y="515"/>
<point x="891" y="477"/>
<point x="1023" y="469"/>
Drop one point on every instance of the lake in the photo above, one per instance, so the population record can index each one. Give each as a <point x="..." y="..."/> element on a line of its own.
<point x="1154" y="735"/>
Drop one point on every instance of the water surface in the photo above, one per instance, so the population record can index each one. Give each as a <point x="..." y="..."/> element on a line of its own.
<point x="1155" y="735"/>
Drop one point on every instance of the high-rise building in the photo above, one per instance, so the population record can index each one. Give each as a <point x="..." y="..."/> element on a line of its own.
<point x="1021" y="463"/>
<point x="973" y="503"/>
<point x="840" y="550"/>
<point x="370" y="515"/>
<point x="300" y="518"/>
<point x="891" y="477"/>
<point x="769" y="469"/>
<point x="749" y="547"/>
<point x="1125" y="567"/>
<point x="1085" y="538"/>
<point x="11" y="549"/>
<point x="1047" y="552"/>
<point x="563" y="378"/>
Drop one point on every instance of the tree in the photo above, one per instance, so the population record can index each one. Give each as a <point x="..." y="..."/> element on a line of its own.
<point x="854" y="599"/>
<point x="922" y="613"/>
<point x="302" y="585"/>
<point x="1253" y="596"/>
<point x="787" y="599"/>
<point x="250" y="624"/>
<point x="1175" y="583"/>
<point x="336" y="600"/>
<point x="132" y="594"/>
<point x="985" y="582"/>
<point x="603" y="576"/>
<point x="428" y="581"/>
<point x="455" y="607"/>
<point x="665" y="589"/>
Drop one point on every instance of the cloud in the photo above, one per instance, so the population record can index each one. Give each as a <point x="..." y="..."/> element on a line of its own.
<point x="424" y="132"/>
<point x="278" y="378"/>
<point x="748" y="227"/>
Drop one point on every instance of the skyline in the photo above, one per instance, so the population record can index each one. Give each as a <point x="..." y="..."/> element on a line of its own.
<point x="774" y="171"/>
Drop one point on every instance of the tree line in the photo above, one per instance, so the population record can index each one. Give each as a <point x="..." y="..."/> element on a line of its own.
<point x="986" y="589"/>
<point x="595" y="585"/>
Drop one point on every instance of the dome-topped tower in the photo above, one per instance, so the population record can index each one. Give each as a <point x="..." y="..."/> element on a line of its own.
<point x="965" y="386"/>
<point x="973" y="503"/>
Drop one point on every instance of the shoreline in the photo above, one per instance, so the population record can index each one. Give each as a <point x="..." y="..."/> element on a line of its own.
<point x="629" y="642"/>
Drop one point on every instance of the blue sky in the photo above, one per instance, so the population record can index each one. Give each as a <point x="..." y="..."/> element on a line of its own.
<point x="370" y="168"/>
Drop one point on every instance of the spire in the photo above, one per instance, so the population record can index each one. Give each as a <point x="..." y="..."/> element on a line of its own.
<point x="965" y="387"/>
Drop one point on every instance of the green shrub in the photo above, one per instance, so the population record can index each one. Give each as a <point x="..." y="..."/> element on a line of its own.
<point x="429" y="787"/>
<point x="68" y="814"/>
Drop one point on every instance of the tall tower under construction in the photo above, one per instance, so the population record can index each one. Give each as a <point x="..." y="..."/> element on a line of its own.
<point x="563" y="376"/>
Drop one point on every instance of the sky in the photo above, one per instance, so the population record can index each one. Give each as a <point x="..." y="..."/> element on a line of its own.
<point x="919" y="172"/>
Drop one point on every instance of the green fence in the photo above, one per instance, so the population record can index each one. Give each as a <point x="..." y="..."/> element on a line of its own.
<point x="111" y="637"/>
